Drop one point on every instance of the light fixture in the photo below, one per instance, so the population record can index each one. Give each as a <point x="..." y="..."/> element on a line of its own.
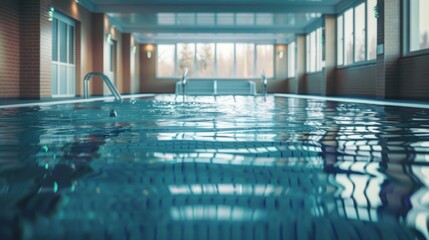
<point x="149" y="49"/>
<point x="109" y="38"/>
<point x="134" y="49"/>
<point x="280" y="54"/>
<point x="51" y="14"/>
<point x="76" y="1"/>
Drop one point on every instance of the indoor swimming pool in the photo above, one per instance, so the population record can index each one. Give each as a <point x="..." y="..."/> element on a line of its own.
<point x="227" y="167"/>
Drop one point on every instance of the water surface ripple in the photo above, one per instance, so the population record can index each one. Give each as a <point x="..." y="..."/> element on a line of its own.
<point x="230" y="167"/>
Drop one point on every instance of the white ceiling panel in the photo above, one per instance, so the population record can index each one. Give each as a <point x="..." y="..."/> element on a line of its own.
<point x="274" y="20"/>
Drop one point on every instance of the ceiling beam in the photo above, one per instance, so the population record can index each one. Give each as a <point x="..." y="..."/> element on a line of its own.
<point x="209" y="38"/>
<point x="211" y="29"/>
<point x="286" y="7"/>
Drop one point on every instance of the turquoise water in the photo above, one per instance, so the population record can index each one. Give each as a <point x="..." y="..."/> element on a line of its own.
<point x="214" y="168"/>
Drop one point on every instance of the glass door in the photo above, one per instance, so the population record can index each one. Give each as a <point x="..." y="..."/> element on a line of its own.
<point x="63" y="57"/>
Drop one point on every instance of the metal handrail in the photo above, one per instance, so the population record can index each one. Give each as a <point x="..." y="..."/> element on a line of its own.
<point x="264" y="83"/>
<point x="184" y="81"/>
<point x="109" y="84"/>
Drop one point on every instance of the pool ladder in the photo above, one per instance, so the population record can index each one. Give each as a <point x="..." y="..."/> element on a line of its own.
<point x="184" y="81"/>
<point x="264" y="83"/>
<point x="109" y="84"/>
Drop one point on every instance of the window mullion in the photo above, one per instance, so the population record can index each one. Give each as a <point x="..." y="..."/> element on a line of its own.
<point x="215" y="61"/>
<point x="366" y="30"/>
<point x="176" y="65"/>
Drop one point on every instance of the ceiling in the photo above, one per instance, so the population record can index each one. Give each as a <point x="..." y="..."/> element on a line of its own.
<point x="157" y="21"/>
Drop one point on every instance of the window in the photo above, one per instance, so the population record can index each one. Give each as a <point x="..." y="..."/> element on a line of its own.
<point x="112" y="61"/>
<point x="265" y="60"/>
<point x="371" y="29"/>
<point x="225" y="60"/>
<point x="307" y="52"/>
<point x="291" y="59"/>
<point x="357" y="34"/>
<point x="185" y="58"/>
<point x="165" y="61"/>
<point x="205" y="59"/>
<point x="348" y="37"/>
<point x="360" y="33"/>
<point x="314" y="50"/>
<point x="419" y="25"/>
<point x="210" y="60"/>
<point x="319" y="49"/>
<point x="245" y="60"/>
<point x="340" y="40"/>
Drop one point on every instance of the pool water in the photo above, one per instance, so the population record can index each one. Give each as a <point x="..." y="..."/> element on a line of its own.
<point x="225" y="167"/>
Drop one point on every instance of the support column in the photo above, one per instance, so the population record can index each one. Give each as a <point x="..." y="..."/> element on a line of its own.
<point x="126" y="63"/>
<point x="328" y="81"/>
<point x="35" y="48"/>
<point x="99" y="37"/>
<point x="297" y="86"/>
<point x="389" y="43"/>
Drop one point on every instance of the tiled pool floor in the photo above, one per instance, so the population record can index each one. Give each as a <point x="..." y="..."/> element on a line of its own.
<point x="214" y="168"/>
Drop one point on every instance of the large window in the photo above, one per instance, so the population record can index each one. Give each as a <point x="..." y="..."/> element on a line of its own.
<point x="210" y="60"/>
<point x="371" y="29"/>
<point x="265" y="60"/>
<point x="166" y="64"/>
<point x="360" y="33"/>
<point x="340" y="41"/>
<point x="348" y="37"/>
<point x="225" y="60"/>
<point x="314" y="45"/>
<point x="291" y="59"/>
<point x="418" y="25"/>
<point x="357" y="34"/>
<point x="245" y="59"/>
<point x="185" y="58"/>
<point x="205" y="60"/>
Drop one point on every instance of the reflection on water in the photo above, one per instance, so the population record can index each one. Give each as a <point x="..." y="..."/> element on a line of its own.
<point x="214" y="167"/>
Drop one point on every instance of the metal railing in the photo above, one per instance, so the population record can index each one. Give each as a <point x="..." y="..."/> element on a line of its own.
<point x="264" y="83"/>
<point x="109" y="84"/>
<point x="184" y="81"/>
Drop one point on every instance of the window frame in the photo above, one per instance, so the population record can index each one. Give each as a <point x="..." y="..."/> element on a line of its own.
<point x="406" y="32"/>
<point x="366" y="61"/>
<point x="314" y="65"/>
<point x="216" y="76"/>
<point x="69" y="65"/>
<point x="175" y="63"/>
<point x="291" y="65"/>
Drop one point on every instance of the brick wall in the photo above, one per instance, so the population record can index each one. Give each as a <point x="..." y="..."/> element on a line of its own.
<point x="9" y="49"/>
<point x="356" y="81"/>
<point x="414" y="75"/>
<point x="387" y="83"/>
<point x="313" y="83"/>
<point x="30" y="48"/>
<point x="45" y="49"/>
<point x="26" y="47"/>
